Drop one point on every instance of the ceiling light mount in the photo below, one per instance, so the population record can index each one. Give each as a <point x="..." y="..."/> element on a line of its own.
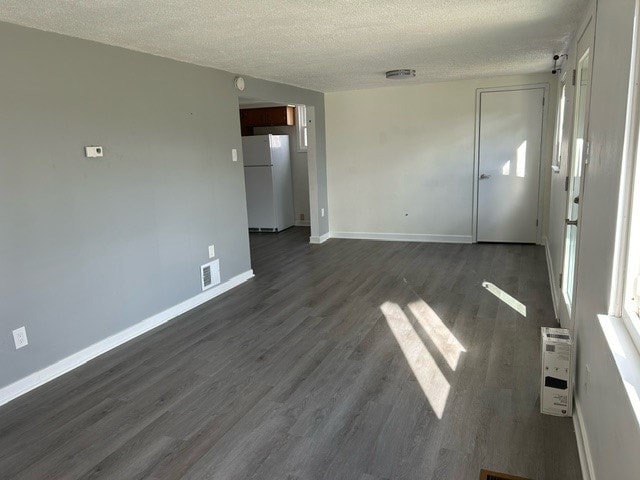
<point x="400" y="74"/>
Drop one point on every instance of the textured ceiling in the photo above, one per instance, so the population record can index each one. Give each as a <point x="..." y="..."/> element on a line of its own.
<point x="322" y="45"/>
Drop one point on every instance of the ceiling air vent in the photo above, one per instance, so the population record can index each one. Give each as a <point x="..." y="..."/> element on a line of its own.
<point x="400" y="74"/>
<point x="487" y="475"/>
<point x="210" y="274"/>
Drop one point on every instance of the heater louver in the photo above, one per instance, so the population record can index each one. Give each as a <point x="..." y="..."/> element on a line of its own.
<point x="487" y="475"/>
<point x="210" y="274"/>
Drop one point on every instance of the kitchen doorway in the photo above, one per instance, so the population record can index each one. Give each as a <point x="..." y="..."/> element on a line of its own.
<point x="279" y="158"/>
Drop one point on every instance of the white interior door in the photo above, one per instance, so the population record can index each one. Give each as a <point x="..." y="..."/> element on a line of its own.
<point x="509" y="165"/>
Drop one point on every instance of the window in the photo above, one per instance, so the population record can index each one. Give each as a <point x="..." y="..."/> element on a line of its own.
<point x="301" y="127"/>
<point x="557" y="158"/>
<point x="625" y="299"/>
<point x="631" y="286"/>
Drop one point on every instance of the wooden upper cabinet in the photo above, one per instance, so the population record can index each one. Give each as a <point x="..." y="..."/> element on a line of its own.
<point x="267" y="117"/>
<point x="252" y="117"/>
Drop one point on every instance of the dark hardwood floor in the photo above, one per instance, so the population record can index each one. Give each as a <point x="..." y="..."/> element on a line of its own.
<point x="348" y="360"/>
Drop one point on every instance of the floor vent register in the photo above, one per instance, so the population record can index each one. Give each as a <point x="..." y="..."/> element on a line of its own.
<point x="488" y="475"/>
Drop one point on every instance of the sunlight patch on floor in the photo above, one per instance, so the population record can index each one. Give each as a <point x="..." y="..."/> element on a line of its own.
<point x="425" y="369"/>
<point x="506" y="298"/>
<point x="442" y="338"/>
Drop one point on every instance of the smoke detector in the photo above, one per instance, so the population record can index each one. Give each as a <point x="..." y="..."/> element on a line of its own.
<point x="400" y="74"/>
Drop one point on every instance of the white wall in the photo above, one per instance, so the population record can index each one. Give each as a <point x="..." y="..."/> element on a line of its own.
<point x="611" y="429"/>
<point x="400" y="159"/>
<point x="299" y="171"/>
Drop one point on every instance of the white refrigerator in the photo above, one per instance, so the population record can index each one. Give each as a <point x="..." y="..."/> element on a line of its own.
<point x="268" y="183"/>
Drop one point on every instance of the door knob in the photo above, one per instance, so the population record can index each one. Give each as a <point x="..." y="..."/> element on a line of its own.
<point x="571" y="222"/>
<point x="484" y="176"/>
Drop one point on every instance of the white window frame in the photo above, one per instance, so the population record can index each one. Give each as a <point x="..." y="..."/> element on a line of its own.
<point x="624" y="302"/>
<point x="302" y="129"/>
<point x="631" y="286"/>
<point x="560" y="124"/>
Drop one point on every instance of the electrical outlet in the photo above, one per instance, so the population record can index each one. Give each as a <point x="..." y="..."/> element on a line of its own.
<point x="212" y="251"/>
<point x="322" y="212"/>
<point x="20" y="337"/>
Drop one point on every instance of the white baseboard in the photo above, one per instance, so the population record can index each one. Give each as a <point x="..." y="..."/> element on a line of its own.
<point x="302" y="223"/>
<point x="552" y="277"/>
<point x="404" y="237"/>
<point x="321" y="239"/>
<point x="67" y="364"/>
<point x="586" y="462"/>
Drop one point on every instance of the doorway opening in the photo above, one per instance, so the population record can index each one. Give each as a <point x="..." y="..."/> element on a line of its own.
<point x="278" y="151"/>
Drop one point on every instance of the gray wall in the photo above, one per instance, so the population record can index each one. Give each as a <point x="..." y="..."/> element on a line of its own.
<point x="89" y="247"/>
<point x="611" y="425"/>
<point x="612" y="430"/>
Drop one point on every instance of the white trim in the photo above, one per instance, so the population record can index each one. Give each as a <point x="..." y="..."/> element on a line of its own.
<point x="36" y="379"/>
<point x="301" y="117"/>
<point x="584" y="452"/>
<point x="302" y="223"/>
<point x="561" y="105"/>
<point x="403" y="237"/>
<point x="312" y="169"/>
<point x="319" y="239"/>
<point x="552" y="277"/>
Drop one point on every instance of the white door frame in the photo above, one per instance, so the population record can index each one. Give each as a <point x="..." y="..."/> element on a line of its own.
<point x="312" y="172"/>
<point x="543" y="164"/>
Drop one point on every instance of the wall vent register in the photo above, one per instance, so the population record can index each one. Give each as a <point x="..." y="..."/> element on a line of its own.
<point x="210" y="274"/>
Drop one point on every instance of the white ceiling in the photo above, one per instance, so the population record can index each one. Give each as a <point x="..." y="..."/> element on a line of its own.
<point x="323" y="45"/>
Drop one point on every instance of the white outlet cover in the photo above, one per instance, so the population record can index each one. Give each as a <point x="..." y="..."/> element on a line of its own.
<point x="212" y="251"/>
<point x="234" y="154"/>
<point x="322" y="212"/>
<point x="20" y="337"/>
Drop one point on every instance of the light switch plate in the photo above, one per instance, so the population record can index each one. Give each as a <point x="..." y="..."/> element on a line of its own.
<point x="234" y="154"/>
<point x="93" y="152"/>
<point x="322" y="212"/>
<point x="587" y="376"/>
<point x="20" y="337"/>
<point x="212" y="251"/>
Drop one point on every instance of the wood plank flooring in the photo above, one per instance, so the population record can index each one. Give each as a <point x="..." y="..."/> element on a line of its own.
<point x="348" y="360"/>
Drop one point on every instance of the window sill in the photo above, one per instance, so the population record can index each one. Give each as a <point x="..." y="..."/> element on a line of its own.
<point x="626" y="357"/>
